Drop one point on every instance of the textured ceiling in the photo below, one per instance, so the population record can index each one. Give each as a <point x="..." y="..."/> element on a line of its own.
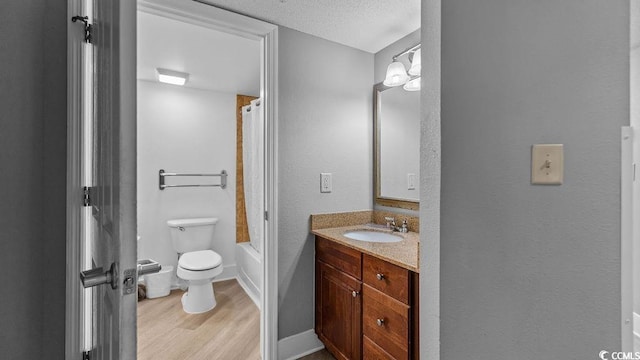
<point x="368" y="25"/>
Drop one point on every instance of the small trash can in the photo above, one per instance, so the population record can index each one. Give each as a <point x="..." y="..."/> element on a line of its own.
<point x="159" y="284"/>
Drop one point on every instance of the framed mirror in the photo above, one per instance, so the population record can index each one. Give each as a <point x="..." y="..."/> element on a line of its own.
<point x="396" y="144"/>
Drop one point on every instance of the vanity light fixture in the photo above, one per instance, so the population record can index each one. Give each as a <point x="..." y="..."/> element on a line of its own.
<point x="413" y="84"/>
<point x="416" y="63"/>
<point x="397" y="73"/>
<point x="172" y="77"/>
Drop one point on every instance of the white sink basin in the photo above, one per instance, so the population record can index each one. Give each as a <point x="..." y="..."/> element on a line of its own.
<point x="372" y="236"/>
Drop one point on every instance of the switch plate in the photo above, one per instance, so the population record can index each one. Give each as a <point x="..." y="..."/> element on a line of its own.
<point x="411" y="181"/>
<point x="547" y="164"/>
<point x="325" y="182"/>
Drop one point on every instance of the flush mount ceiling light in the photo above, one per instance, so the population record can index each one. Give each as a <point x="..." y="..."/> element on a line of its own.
<point x="172" y="77"/>
<point x="397" y="73"/>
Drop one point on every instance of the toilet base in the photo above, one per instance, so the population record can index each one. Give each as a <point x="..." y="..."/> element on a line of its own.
<point x="199" y="298"/>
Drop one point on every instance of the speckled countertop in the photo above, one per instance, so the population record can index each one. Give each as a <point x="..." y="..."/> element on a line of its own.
<point x="405" y="253"/>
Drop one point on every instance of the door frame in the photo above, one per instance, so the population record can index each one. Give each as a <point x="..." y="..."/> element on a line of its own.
<point x="198" y="13"/>
<point x="627" y="205"/>
<point x="75" y="248"/>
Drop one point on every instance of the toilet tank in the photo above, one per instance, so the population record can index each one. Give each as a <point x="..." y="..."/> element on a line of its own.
<point x="192" y="234"/>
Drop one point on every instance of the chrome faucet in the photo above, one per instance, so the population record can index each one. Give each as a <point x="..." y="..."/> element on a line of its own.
<point x="391" y="224"/>
<point x="404" y="228"/>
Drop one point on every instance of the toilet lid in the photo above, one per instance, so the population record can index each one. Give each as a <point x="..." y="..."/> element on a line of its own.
<point x="200" y="260"/>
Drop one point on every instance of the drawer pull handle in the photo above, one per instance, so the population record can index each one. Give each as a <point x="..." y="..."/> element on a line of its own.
<point x="380" y="322"/>
<point x="354" y="293"/>
<point x="380" y="276"/>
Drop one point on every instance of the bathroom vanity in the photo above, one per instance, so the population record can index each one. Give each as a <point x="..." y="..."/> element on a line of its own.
<point x="367" y="294"/>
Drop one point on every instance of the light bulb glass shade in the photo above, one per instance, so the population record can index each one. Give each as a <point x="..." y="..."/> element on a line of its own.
<point x="172" y="77"/>
<point x="396" y="74"/>
<point x="416" y="63"/>
<point x="412" y="85"/>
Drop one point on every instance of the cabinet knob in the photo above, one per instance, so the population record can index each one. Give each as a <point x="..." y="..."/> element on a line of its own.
<point x="380" y="276"/>
<point x="354" y="293"/>
<point x="380" y="322"/>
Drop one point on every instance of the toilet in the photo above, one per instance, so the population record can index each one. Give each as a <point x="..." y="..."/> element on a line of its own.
<point x="198" y="265"/>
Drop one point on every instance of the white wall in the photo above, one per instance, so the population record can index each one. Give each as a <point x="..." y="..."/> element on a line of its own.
<point x="325" y="125"/>
<point x="185" y="130"/>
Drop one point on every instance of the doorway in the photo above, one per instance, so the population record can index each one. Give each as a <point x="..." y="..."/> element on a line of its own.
<point x="246" y="31"/>
<point x="190" y="153"/>
<point x="266" y="35"/>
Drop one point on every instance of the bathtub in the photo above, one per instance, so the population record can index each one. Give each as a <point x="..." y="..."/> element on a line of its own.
<point x="249" y="271"/>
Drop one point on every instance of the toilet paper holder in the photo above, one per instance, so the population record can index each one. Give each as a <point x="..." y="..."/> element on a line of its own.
<point x="148" y="266"/>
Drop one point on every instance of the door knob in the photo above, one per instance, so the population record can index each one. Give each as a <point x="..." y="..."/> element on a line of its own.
<point x="98" y="276"/>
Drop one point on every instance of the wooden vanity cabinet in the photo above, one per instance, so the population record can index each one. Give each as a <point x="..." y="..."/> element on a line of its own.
<point x="339" y="308"/>
<point x="366" y="308"/>
<point x="339" y="299"/>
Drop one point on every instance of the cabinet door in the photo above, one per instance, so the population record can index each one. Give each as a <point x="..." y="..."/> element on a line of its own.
<point x="338" y="313"/>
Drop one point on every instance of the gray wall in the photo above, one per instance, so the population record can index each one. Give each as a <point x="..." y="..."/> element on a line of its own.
<point x="324" y="126"/>
<point x="634" y="96"/>
<point x="430" y="158"/>
<point x="531" y="272"/>
<point x="32" y="210"/>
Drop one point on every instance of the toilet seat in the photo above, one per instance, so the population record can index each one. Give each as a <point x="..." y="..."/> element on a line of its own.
<point x="203" y="265"/>
<point x="200" y="260"/>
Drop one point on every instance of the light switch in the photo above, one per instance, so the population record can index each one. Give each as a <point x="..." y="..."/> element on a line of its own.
<point x="325" y="182"/>
<point x="411" y="181"/>
<point x="547" y="164"/>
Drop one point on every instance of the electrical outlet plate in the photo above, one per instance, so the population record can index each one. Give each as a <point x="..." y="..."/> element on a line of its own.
<point x="325" y="183"/>
<point x="547" y="164"/>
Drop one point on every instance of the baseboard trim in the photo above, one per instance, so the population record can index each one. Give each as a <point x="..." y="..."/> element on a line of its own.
<point x="228" y="272"/>
<point x="248" y="289"/>
<point x="299" y="345"/>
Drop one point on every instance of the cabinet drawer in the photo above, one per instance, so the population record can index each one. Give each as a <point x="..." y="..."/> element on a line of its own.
<point x="386" y="277"/>
<point x="340" y="257"/>
<point x="371" y="350"/>
<point x="385" y="321"/>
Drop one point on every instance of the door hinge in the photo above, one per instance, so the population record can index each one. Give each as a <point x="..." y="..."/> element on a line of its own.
<point x="86" y="196"/>
<point x="266" y="216"/>
<point x="88" y="29"/>
<point x="86" y="355"/>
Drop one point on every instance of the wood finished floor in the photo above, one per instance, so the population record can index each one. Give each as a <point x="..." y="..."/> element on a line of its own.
<point x="319" y="355"/>
<point x="230" y="331"/>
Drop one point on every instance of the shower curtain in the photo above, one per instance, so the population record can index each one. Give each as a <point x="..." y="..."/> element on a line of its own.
<point x="253" y="163"/>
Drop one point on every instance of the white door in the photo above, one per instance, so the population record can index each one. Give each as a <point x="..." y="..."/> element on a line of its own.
<point x="113" y="194"/>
